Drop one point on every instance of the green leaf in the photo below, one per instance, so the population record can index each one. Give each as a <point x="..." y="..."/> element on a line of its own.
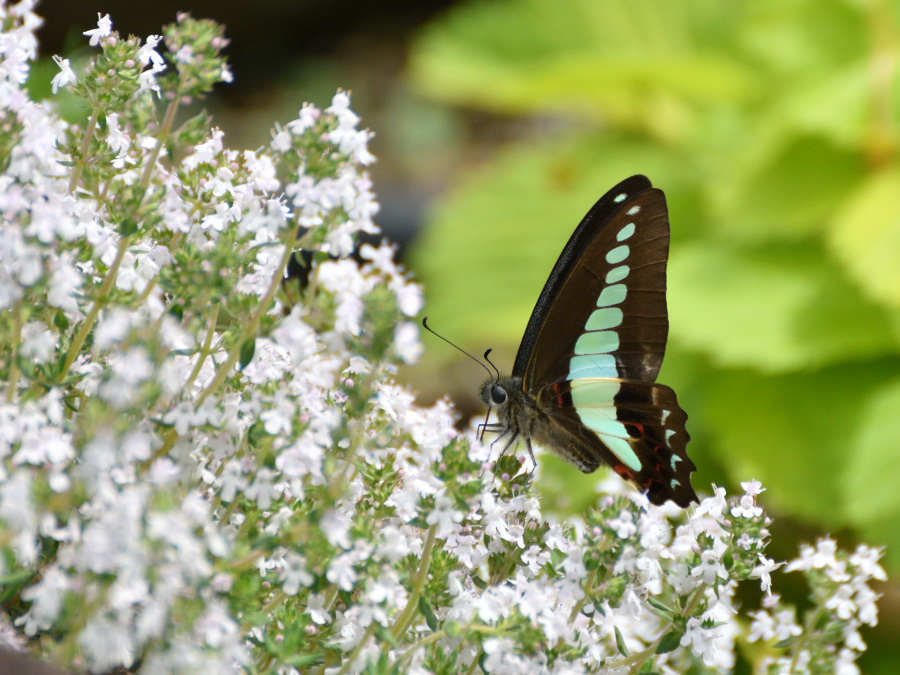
<point x="620" y="642"/>
<point x="427" y="612"/>
<point x="772" y="308"/>
<point x="670" y="642"/>
<point x="865" y="236"/>
<point x="247" y="350"/>
<point x="791" y="194"/>
<point x="795" y="433"/>
<point x="620" y="58"/>
<point x="873" y="475"/>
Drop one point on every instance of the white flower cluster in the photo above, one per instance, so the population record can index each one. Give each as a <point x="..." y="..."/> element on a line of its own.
<point x="199" y="473"/>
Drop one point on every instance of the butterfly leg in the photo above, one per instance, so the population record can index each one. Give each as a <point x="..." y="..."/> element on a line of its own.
<point x="512" y="439"/>
<point x="531" y="453"/>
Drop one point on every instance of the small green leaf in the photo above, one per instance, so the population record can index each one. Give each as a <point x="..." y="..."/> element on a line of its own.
<point x="620" y="643"/>
<point x="669" y="642"/>
<point x="384" y="633"/>
<point x="247" y="350"/>
<point x="427" y="612"/>
<point x="656" y="604"/>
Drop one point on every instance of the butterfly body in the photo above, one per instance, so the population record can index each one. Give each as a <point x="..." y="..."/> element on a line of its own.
<point x="584" y="381"/>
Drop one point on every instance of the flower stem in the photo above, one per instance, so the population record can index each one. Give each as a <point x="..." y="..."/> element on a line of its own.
<point x="83" y="150"/>
<point x="406" y="617"/>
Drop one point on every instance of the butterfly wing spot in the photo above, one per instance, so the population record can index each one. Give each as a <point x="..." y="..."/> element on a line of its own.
<point x="620" y="197"/>
<point x="633" y="210"/>
<point x="617" y="255"/>
<point x="629" y="229"/>
<point x="616" y="274"/>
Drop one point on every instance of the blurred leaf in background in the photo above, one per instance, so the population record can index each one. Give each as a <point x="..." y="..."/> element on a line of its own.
<point x="772" y="128"/>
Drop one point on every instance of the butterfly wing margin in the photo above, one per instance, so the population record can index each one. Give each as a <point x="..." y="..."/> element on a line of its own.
<point x="639" y="431"/>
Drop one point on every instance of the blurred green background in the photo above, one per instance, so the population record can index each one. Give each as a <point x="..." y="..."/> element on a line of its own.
<point x="771" y="125"/>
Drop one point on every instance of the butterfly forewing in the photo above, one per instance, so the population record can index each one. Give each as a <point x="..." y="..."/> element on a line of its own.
<point x="607" y="317"/>
<point x="600" y="213"/>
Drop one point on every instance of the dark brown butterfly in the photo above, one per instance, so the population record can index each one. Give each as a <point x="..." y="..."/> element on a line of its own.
<point x="584" y="381"/>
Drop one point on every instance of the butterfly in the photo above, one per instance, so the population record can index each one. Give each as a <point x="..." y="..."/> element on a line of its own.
<point x="584" y="380"/>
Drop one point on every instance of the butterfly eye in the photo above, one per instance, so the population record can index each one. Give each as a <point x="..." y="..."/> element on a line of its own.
<point x="498" y="395"/>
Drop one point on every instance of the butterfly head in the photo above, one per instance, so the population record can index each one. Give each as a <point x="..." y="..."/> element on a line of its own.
<point x="493" y="393"/>
<point x="503" y="395"/>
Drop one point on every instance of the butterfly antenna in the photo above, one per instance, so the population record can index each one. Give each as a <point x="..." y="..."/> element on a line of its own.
<point x="491" y="375"/>
<point x="491" y="362"/>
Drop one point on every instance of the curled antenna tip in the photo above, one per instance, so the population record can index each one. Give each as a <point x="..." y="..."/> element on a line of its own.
<point x="486" y="354"/>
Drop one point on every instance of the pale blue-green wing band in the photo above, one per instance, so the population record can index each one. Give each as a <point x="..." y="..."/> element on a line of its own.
<point x="592" y="365"/>
<point x="597" y="342"/>
<point x="594" y="403"/>
<point x="604" y="318"/>
<point x="617" y="255"/>
<point x="627" y="231"/>
<point x="612" y="295"/>
<point x="617" y="274"/>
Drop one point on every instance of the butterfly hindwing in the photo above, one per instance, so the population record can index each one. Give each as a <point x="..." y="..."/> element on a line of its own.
<point x="637" y="428"/>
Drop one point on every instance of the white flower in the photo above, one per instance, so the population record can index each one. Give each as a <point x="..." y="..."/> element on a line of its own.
<point x="753" y="487"/>
<point x="38" y="342"/>
<point x="315" y="607"/>
<point x="64" y="77"/>
<point x="107" y="644"/>
<point x="762" y="627"/>
<point x="336" y="527"/>
<point x="103" y="29"/>
<point x="702" y="641"/>
<point x="46" y="598"/>
<point x="714" y="506"/>
<point x="842" y="602"/>
<point x="341" y="572"/>
<point x="866" y="559"/>
<point x="710" y="566"/>
<point x="261" y="489"/>
<point x="623" y="524"/>
<point x="294" y="574"/>
<point x="444" y="516"/>
<point x="747" y="508"/>
<point x="763" y="570"/>
<point x="216" y="626"/>
<point x="147" y="53"/>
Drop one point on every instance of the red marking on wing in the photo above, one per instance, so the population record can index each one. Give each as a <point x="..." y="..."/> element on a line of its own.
<point x="559" y="396"/>
<point x="623" y="471"/>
